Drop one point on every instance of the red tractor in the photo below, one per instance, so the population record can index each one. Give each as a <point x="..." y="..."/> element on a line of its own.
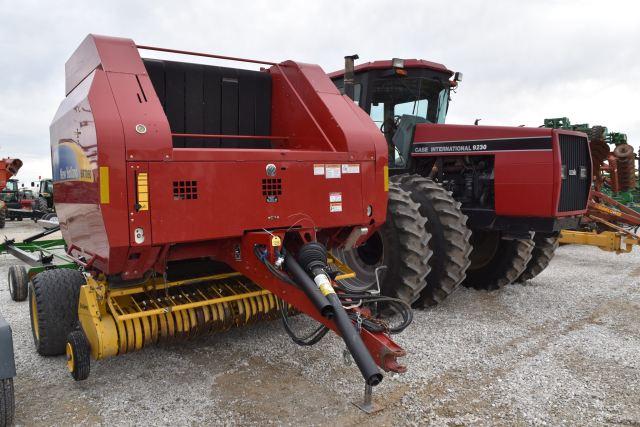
<point x="193" y="198"/>
<point x="492" y="199"/>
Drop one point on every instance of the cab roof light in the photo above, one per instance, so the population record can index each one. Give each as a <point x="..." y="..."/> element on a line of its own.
<point x="397" y="63"/>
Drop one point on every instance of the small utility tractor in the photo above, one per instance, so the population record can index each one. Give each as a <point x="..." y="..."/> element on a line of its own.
<point x="492" y="199"/>
<point x="193" y="198"/>
<point x="44" y="198"/>
<point x="613" y="217"/>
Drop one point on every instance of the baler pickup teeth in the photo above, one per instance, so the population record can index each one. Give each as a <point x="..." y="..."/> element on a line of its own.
<point x="154" y="313"/>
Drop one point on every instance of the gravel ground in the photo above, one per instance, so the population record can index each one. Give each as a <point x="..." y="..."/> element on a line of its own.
<point x="561" y="350"/>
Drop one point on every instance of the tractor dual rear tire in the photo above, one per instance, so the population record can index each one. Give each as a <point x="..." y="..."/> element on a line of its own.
<point x="543" y="251"/>
<point x="496" y="262"/>
<point x="401" y="244"/>
<point x="7" y="402"/>
<point x="53" y="304"/>
<point x="449" y="241"/>
<point x="18" y="282"/>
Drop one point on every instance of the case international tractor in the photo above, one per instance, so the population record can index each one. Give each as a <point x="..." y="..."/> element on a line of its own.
<point x="494" y="198"/>
<point x="193" y="198"/>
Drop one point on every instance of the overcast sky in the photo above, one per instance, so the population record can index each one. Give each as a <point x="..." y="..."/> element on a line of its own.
<point x="522" y="61"/>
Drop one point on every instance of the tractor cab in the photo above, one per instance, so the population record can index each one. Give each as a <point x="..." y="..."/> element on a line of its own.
<point x="398" y="94"/>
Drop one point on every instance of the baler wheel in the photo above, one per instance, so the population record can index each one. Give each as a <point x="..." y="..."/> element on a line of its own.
<point x="53" y="304"/>
<point x="3" y="217"/>
<point x="78" y="355"/>
<point x="18" y="283"/>
<point x="543" y="251"/>
<point x="401" y="244"/>
<point x="496" y="262"/>
<point x="7" y="402"/>
<point x="449" y="237"/>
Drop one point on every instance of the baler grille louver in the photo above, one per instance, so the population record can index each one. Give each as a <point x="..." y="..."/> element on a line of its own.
<point x="272" y="187"/>
<point x="574" y="157"/>
<point x="185" y="190"/>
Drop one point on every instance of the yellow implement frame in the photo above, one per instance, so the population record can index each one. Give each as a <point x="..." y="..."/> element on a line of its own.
<point x="610" y="241"/>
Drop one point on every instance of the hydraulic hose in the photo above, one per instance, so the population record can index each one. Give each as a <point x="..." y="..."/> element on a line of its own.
<point x="307" y="285"/>
<point x="356" y="347"/>
<point x="314" y="259"/>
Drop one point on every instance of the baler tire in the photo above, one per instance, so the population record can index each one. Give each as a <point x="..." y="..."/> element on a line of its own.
<point x="543" y="251"/>
<point x="18" y="283"/>
<point x="7" y="402"/>
<point x="3" y="217"/>
<point x="53" y="305"/>
<point x="504" y="267"/>
<point x="404" y="243"/>
<point x="78" y="354"/>
<point x="449" y="241"/>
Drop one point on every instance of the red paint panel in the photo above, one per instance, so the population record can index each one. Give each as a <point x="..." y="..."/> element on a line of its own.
<point x="524" y="184"/>
<point x="230" y="199"/>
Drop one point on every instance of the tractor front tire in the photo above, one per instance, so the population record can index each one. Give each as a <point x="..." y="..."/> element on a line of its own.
<point x="18" y="282"/>
<point x="449" y="237"/>
<point x="543" y="251"/>
<point x="53" y="304"/>
<point x="7" y="402"/>
<point x="401" y="244"/>
<point x="496" y="262"/>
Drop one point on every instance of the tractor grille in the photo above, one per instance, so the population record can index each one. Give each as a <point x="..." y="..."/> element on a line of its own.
<point x="576" y="172"/>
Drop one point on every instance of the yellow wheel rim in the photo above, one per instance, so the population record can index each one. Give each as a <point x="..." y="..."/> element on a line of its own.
<point x="34" y="316"/>
<point x="70" y="358"/>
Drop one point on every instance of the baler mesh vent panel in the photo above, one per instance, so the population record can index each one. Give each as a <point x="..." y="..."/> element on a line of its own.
<point x="185" y="190"/>
<point x="574" y="157"/>
<point x="205" y="99"/>
<point x="272" y="187"/>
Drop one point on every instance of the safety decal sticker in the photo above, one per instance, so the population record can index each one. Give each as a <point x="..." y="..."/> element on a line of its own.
<point x="332" y="171"/>
<point x="335" y="197"/>
<point x="335" y="207"/>
<point x="351" y="168"/>
<point x="318" y="169"/>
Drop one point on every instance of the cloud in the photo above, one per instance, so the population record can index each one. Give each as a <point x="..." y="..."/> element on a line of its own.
<point x="522" y="61"/>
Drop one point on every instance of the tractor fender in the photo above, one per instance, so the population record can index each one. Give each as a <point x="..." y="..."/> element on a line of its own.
<point x="7" y="362"/>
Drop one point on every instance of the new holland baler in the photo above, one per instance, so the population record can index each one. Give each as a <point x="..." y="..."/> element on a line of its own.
<point x="194" y="198"/>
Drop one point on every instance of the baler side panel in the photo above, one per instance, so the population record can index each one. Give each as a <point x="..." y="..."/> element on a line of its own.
<point x="193" y="201"/>
<point x="74" y="155"/>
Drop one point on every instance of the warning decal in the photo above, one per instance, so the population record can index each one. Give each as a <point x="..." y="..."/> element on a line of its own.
<point x="332" y="171"/>
<point x="335" y="207"/>
<point x="351" y="168"/>
<point x="335" y="197"/>
<point x="318" y="169"/>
